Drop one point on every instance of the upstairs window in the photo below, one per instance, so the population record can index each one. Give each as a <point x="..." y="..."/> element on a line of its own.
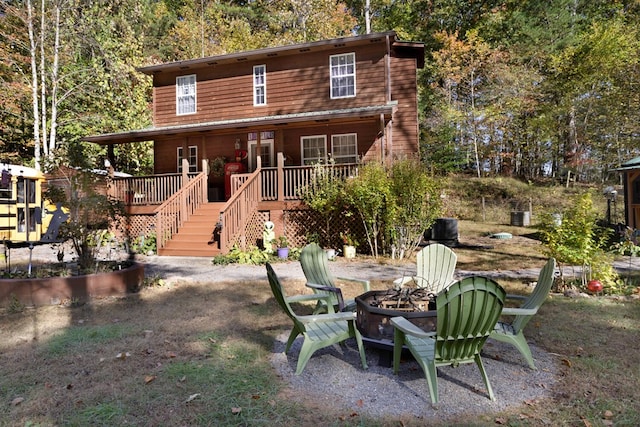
<point x="186" y="94"/>
<point x="344" y="148"/>
<point x="314" y="149"/>
<point x="343" y="75"/>
<point x="260" y="85"/>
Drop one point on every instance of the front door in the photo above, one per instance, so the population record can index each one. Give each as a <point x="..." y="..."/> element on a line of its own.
<point x="265" y="151"/>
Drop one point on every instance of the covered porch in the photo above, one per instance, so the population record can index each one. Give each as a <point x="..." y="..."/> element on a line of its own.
<point x="169" y="204"/>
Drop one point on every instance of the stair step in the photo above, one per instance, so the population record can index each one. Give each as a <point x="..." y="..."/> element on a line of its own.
<point x="189" y="252"/>
<point x="192" y="239"/>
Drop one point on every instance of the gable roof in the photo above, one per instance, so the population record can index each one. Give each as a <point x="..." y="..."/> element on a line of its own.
<point x="412" y="49"/>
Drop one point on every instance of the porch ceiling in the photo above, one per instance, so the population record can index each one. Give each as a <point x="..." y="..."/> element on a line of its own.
<point x="296" y="119"/>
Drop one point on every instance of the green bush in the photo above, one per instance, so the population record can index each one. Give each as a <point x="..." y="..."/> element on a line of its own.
<point x="578" y="240"/>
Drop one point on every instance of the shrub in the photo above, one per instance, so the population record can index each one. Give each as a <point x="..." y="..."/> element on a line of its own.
<point x="578" y="240"/>
<point x="417" y="199"/>
<point x="325" y="196"/>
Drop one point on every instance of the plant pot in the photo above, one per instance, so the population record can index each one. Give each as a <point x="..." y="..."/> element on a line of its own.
<point x="349" y="251"/>
<point x="54" y="290"/>
<point x="331" y="254"/>
<point x="283" y="253"/>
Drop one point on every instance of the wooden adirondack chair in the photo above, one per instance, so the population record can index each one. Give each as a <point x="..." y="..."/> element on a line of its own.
<point x="315" y="265"/>
<point x="318" y="331"/>
<point x="512" y="333"/>
<point x="467" y="313"/>
<point x="436" y="265"/>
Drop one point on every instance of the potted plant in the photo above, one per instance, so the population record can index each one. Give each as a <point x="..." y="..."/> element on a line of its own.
<point x="349" y="245"/>
<point x="216" y="166"/>
<point x="282" y="247"/>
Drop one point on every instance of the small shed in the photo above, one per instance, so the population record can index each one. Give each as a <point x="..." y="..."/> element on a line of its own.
<point x="631" y="181"/>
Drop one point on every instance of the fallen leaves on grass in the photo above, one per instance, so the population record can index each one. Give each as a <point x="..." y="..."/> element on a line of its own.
<point x="192" y="397"/>
<point x="17" y="401"/>
<point x="149" y="378"/>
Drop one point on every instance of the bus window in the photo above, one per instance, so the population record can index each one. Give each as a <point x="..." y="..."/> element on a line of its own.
<point x="31" y="190"/>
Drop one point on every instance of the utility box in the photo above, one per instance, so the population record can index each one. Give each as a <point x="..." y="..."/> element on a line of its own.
<point x="520" y="218"/>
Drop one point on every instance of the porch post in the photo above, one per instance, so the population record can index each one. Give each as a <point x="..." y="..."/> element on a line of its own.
<point x="383" y="139"/>
<point x="185" y="179"/>
<point x="280" y="175"/>
<point x="205" y="187"/>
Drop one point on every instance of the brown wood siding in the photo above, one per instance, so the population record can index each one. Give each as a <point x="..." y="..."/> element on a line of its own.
<point x="165" y="156"/>
<point x="405" y="120"/>
<point x="287" y="140"/>
<point x="365" y="130"/>
<point x="294" y="84"/>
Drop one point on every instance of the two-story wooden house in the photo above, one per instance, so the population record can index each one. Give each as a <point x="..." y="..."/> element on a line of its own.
<point x="270" y="114"/>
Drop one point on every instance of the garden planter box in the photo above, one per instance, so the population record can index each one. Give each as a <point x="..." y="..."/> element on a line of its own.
<point x="56" y="290"/>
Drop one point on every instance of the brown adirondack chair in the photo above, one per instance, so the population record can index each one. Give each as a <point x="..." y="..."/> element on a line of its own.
<point x="315" y="265"/>
<point x="467" y="312"/>
<point x="512" y="332"/>
<point x="319" y="330"/>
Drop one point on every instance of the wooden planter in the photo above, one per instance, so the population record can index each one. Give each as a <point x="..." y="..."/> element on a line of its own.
<point x="56" y="290"/>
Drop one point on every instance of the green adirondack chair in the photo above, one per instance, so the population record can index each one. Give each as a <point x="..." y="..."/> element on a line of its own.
<point x="315" y="265"/>
<point x="512" y="332"/>
<point x="467" y="312"/>
<point x="318" y="331"/>
<point x="436" y="265"/>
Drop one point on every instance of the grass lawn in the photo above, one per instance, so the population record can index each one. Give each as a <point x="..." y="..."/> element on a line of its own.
<point x="190" y="354"/>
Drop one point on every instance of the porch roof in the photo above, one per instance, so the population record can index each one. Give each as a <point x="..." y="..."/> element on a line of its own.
<point x="150" y="134"/>
<point x="630" y="164"/>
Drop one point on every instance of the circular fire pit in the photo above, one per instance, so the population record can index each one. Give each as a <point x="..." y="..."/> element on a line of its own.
<point x="376" y="308"/>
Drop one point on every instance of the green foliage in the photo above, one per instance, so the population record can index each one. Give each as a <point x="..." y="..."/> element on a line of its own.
<point x="348" y="239"/>
<point x="395" y="205"/>
<point x="83" y="337"/>
<point x="282" y="242"/>
<point x="91" y="214"/>
<point x="578" y="240"/>
<point x="325" y="195"/>
<point x="152" y="281"/>
<point x="145" y="244"/>
<point x="15" y="306"/>
<point x="370" y="197"/>
<point x="253" y="255"/>
<point x="417" y="199"/>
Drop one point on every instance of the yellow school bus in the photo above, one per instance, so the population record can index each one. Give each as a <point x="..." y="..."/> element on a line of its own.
<point x="24" y="215"/>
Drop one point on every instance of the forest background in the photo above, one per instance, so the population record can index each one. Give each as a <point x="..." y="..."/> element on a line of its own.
<point x="528" y="89"/>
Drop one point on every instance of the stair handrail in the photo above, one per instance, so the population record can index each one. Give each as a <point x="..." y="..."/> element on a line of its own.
<point x="179" y="207"/>
<point x="237" y="210"/>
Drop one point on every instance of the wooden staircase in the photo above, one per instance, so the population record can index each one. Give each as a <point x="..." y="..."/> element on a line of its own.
<point x="195" y="237"/>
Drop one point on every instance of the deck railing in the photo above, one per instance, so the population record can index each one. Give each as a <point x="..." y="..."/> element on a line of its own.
<point x="238" y="210"/>
<point x="147" y="190"/>
<point x="179" y="195"/>
<point x="179" y="207"/>
<point x="285" y="183"/>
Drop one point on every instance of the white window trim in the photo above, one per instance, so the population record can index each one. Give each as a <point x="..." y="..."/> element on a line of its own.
<point x="263" y="85"/>
<point x="315" y="159"/>
<point x="354" y="155"/>
<point x="331" y="76"/>
<point x="193" y="167"/>
<point x="179" y="157"/>
<point x="181" y="95"/>
<point x="265" y="143"/>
